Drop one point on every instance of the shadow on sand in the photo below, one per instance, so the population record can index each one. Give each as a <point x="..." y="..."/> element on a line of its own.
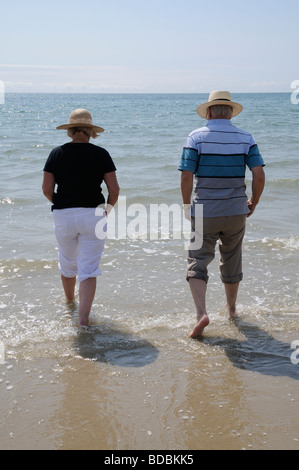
<point x="110" y="344"/>
<point x="260" y="352"/>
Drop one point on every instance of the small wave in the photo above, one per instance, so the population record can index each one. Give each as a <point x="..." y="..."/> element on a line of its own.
<point x="6" y="200"/>
<point x="290" y="243"/>
<point x="25" y="265"/>
<point x="282" y="181"/>
<point x="287" y="243"/>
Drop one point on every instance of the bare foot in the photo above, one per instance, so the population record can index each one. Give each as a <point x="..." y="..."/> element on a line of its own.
<point x="232" y="312"/>
<point x="200" y="326"/>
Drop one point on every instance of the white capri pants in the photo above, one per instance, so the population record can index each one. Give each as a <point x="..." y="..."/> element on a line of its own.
<point x="79" y="248"/>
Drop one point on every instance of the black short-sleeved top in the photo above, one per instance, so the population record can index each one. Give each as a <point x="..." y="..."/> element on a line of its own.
<point x="79" y="170"/>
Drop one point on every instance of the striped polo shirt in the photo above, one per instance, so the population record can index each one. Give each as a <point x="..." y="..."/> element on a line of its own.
<point x="218" y="155"/>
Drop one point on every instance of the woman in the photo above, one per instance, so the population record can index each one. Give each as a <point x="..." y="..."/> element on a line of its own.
<point x="79" y="168"/>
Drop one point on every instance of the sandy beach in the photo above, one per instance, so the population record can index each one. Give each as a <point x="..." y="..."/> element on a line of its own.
<point x="149" y="394"/>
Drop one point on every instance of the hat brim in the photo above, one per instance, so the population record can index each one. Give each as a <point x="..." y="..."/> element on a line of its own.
<point x="80" y="124"/>
<point x="203" y="108"/>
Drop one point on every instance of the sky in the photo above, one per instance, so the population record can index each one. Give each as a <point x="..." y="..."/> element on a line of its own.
<point x="148" y="46"/>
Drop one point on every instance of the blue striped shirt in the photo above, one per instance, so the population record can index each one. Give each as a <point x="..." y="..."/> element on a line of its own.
<point x="218" y="155"/>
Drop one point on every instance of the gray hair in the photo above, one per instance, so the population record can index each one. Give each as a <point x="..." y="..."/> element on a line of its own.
<point x="221" y="111"/>
<point x="89" y="131"/>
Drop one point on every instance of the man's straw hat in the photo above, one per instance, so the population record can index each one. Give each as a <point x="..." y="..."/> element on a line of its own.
<point x="219" y="97"/>
<point x="80" y="118"/>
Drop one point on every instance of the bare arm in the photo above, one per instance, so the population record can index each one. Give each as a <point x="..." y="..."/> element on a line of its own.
<point x="186" y="190"/>
<point x="113" y="188"/>
<point x="258" y="184"/>
<point x="186" y="186"/>
<point x="48" y="185"/>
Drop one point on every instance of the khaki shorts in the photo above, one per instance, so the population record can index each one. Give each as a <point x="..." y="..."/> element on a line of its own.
<point x="229" y="231"/>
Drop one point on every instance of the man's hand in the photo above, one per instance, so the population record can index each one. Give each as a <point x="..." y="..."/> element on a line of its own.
<point x="251" y="207"/>
<point x="187" y="211"/>
<point x="258" y="184"/>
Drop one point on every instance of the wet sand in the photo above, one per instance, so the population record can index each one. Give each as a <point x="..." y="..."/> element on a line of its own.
<point x="158" y="391"/>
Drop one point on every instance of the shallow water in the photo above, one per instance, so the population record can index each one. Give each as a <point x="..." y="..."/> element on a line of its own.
<point x="133" y="379"/>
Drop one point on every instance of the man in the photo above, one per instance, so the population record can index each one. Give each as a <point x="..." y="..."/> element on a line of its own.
<point x="217" y="155"/>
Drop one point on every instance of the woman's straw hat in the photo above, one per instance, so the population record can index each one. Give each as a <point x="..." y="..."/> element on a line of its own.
<point x="80" y="118"/>
<point x="219" y="97"/>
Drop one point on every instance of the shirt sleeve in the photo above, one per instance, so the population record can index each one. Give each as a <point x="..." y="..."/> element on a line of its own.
<point x="50" y="163"/>
<point x="108" y="164"/>
<point x="189" y="159"/>
<point x="254" y="157"/>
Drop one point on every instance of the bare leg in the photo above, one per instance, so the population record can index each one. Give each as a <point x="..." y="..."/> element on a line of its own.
<point x="69" y="284"/>
<point x="231" y="291"/>
<point x="87" y="291"/>
<point x="198" y="289"/>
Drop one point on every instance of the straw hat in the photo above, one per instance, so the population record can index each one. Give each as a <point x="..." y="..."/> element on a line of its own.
<point x="219" y="97"/>
<point x="80" y="118"/>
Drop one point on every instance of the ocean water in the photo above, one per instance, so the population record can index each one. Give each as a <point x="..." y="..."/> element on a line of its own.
<point x="143" y="304"/>
<point x="144" y="135"/>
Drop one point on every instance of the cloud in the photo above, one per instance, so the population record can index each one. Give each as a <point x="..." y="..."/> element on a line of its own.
<point x="93" y="79"/>
<point x="121" y="79"/>
<point x="270" y="84"/>
<point x="38" y="78"/>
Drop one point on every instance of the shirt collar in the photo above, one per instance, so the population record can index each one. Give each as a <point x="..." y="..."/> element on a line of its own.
<point x="219" y="122"/>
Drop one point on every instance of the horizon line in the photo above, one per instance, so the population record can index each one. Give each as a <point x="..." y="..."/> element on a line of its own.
<point x="135" y="92"/>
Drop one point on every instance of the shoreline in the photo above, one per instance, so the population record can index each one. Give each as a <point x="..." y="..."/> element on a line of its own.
<point x="169" y="393"/>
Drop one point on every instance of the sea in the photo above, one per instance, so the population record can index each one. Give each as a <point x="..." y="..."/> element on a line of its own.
<point x="143" y="310"/>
